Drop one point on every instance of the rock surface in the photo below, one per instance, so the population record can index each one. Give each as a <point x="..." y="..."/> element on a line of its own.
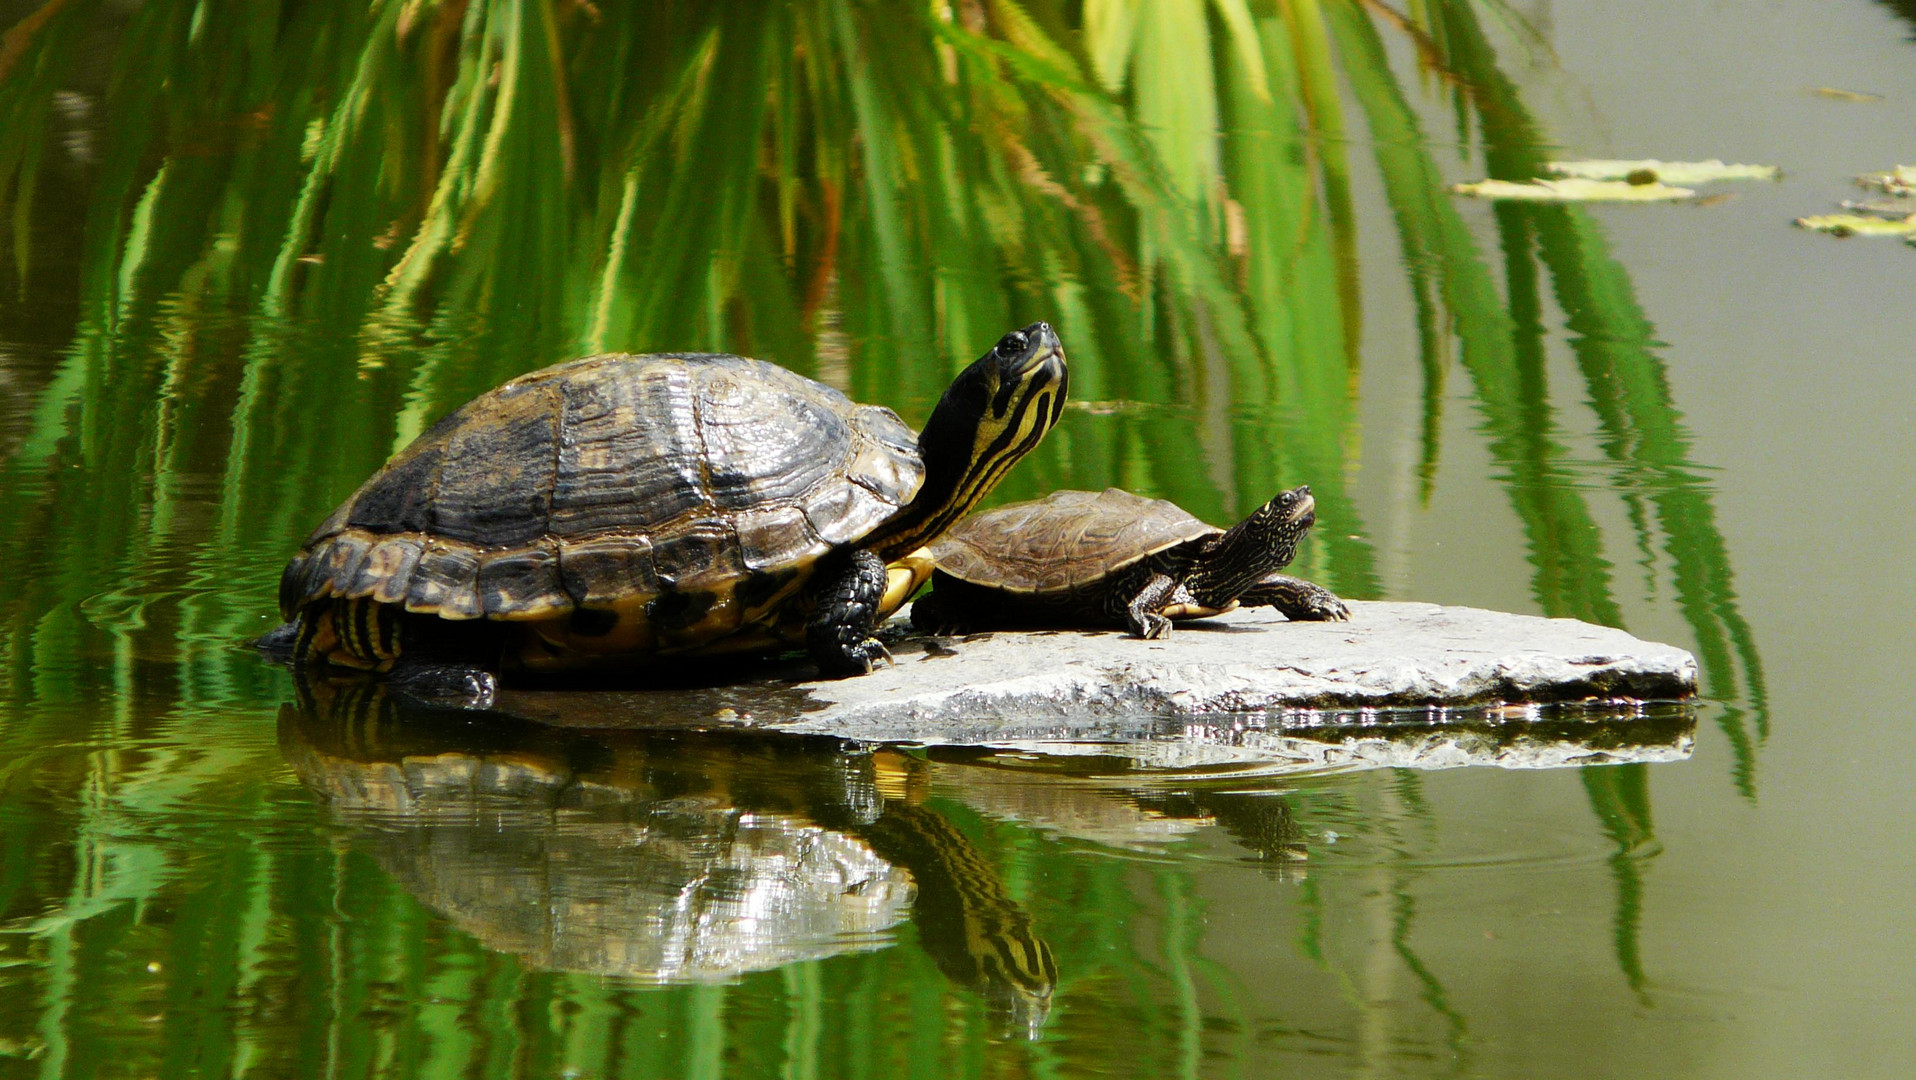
<point x="1106" y="686"/>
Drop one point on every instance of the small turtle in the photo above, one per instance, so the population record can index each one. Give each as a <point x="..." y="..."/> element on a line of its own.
<point x="622" y="507"/>
<point x="1082" y="558"/>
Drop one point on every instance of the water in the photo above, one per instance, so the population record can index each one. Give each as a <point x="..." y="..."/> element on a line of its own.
<point x="264" y="249"/>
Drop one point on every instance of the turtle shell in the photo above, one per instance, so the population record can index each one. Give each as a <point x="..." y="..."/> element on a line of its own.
<point x="1063" y="541"/>
<point x="649" y="487"/>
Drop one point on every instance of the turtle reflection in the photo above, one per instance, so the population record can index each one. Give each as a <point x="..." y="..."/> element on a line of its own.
<point x="668" y="857"/>
<point x="1073" y="796"/>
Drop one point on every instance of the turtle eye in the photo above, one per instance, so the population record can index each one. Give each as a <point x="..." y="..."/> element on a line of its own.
<point x="1013" y="343"/>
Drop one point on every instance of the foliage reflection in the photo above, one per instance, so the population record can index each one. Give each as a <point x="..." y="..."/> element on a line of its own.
<point x="253" y="248"/>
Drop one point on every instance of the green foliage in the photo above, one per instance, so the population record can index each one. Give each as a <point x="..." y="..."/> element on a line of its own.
<point x="312" y="229"/>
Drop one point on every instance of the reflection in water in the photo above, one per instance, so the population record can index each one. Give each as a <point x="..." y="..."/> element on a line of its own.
<point x="667" y="857"/>
<point x="1219" y="772"/>
<point x="1501" y="345"/>
<point x="1241" y="747"/>
<point x="978" y="935"/>
<point x="167" y="878"/>
<point x="577" y="873"/>
<point x="255" y="247"/>
<point x="687" y="856"/>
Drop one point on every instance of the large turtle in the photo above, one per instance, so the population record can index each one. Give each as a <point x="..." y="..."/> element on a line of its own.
<point x="621" y="507"/>
<point x="1111" y="558"/>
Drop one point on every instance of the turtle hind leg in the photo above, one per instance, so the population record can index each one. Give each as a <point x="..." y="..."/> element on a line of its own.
<point x="840" y="632"/>
<point x="445" y="663"/>
<point x="425" y="660"/>
<point x="1299" y="600"/>
<point x="444" y="684"/>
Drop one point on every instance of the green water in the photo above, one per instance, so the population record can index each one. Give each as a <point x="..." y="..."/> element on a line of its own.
<point x="249" y="249"/>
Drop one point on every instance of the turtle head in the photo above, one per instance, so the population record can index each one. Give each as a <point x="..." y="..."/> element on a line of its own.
<point x="993" y="413"/>
<point x="1283" y="521"/>
<point x="1260" y="545"/>
<point x="997" y="409"/>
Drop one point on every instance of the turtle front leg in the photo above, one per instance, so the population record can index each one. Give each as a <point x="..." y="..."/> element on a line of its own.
<point x="840" y="633"/>
<point x="1299" y="600"/>
<point x="1141" y="612"/>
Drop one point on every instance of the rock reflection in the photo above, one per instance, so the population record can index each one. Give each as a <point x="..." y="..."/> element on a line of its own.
<point x="679" y="855"/>
<point x="665" y="857"/>
<point x="1560" y="735"/>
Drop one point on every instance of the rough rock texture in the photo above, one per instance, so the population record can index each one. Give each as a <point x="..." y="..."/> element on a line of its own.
<point x="1106" y="686"/>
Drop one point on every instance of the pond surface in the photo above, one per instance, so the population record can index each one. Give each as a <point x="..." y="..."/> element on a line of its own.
<point x="249" y="251"/>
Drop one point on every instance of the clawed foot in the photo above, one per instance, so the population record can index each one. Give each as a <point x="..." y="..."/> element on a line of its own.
<point x="858" y="659"/>
<point x="1325" y="608"/>
<point x="872" y="651"/>
<point x="1299" y="600"/>
<point x="1153" y="627"/>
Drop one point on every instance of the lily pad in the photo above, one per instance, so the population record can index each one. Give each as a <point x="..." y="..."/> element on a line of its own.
<point x="1839" y="94"/>
<point x="1900" y="180"/>
<point x="1574" y="190"/>
<point x="1859" y="225"/>
<point x="1650" y="170"/>
<point x="1895" y="207"/>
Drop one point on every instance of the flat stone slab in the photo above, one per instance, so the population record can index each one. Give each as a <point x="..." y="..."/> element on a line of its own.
<point x="1105" y="685"/>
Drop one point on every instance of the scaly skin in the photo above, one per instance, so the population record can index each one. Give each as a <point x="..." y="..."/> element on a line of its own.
<point x="840" y="632"/>
<point x="1299" y="600"/>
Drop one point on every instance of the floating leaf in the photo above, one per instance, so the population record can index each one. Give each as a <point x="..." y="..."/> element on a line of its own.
<point x="1900" y="206"/>
<point x="1574" y="190"/>
<point x="1857" y="96"/>
<point x="1650" y="170"/>
<point x="1900" y="180"/>
<point x="1859" y="225"/>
